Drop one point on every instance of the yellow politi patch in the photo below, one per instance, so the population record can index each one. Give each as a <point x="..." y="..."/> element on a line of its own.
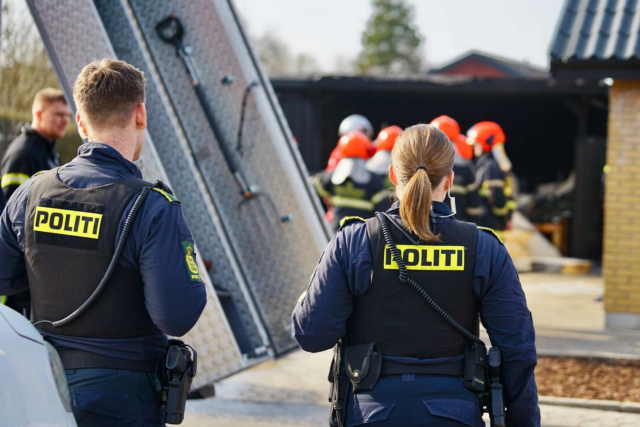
<point x="192" y="266"/>
<point x="67" y="222"/>
<point x="420" y="257"/>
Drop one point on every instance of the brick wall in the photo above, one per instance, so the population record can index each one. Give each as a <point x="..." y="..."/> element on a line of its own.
<point x="622" y="200"/>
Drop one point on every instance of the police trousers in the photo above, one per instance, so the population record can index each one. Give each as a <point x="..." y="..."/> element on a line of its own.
<point x="115" y="398"/>
<point x="415" y="400"/>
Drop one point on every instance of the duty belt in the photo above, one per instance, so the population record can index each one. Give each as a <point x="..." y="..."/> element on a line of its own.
<point x="78" y="359"/>
<point x="390" y="368"/>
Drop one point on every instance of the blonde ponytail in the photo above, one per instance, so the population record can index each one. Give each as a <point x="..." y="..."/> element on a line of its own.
<point x="415" y="206"/>
<point x="422" y="156"/>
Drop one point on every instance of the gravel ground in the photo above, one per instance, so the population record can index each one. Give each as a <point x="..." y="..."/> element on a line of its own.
<point x="604" y="379"/>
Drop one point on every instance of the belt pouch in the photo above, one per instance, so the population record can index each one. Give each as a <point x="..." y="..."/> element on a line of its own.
<point x="363" y="364"/>
<point x="475" y="365"/>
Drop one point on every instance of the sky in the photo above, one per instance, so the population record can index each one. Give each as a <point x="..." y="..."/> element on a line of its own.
<point x="521" y="30"/>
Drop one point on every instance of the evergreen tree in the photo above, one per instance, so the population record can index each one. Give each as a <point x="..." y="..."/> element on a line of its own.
<point x="390" y="43"/>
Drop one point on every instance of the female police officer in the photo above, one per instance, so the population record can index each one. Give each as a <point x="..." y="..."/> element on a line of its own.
<point x="356" y="297"/>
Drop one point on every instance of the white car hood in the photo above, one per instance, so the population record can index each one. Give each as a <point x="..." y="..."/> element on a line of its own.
<point x="20" y="325"/>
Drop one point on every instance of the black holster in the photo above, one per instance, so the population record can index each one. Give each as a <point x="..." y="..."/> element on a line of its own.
<point x="475" y="367"/>
<point x="176" y="372"/>
<point x="357" y="367"/>
<point x="339" y="390"/>
<point x="495" y="400"/>
<point x="363" y="364"/>
<point x="482" y="376"/>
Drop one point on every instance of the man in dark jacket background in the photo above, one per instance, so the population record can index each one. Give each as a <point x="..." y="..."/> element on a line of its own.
<point x="31" y="152"/>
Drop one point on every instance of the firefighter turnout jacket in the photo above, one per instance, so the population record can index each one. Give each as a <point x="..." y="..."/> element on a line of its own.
<point x="351" y="190"/>
<point x="495" y="194"/>
<point x="465" y="190"/>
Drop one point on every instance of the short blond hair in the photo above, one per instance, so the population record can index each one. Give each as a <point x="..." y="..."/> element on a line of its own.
<point x="47" y="96"/>
<point x="107" y="91"/>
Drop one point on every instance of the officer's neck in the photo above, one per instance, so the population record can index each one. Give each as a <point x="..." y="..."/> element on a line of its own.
<point x="438" y="194"/>
<point x="122" y="142"/>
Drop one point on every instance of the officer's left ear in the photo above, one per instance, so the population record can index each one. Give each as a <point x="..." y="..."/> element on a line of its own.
<point x="141" y="117"/>
<point x="82" y="129"/>
<point x="449" y="181"/>
<point x="392" y="176"/>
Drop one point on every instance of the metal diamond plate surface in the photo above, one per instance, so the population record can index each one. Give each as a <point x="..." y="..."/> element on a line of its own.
<point x="178" y="164"/>
<point x="276" y="258"/>
<point x="74" y="35"/>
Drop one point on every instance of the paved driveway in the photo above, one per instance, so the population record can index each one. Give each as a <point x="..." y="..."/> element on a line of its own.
<point x="292" y="390"/>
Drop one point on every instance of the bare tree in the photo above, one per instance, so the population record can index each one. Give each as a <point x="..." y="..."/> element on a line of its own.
<point x="305" y="64"/>
<point x="277" y="58"/>
<point x="273" y="53"/>
<point x="24" y="69"/>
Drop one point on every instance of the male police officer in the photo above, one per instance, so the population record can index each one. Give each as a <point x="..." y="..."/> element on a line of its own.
<point x="57" y="236"/>
<point x="32" y="152"/>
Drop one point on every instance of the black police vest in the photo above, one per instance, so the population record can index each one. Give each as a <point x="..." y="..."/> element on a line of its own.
<point x="393" y="315"/>
<point x="70" y="239"/>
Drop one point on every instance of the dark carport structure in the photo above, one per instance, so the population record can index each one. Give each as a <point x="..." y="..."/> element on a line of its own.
<point x="553" y="126"/>
<point x="600" y="39"/>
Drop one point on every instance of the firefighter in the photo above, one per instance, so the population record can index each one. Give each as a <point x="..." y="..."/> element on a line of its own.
<point x="465" y="187"/>
<point x="57" y="237"/>
<point x="356" y="295"/>
<point x="354" y="122"/>
<point x="31" y="152"/>
<point x="492" y="168"/>
<point x="380" y="162"/>
<point x="350" y="189"/>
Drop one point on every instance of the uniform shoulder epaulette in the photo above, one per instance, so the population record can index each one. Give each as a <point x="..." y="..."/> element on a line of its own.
<point x="170" y="197"/>
<point x="349" y="219"/>
<point x="492" y="231"/>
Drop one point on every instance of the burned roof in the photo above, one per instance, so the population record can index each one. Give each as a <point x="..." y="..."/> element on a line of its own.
<point x="597" y="39"/>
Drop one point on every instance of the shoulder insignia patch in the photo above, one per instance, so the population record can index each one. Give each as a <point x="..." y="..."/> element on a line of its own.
<point x="189" y="259"/>
<point x="495" y="233"/>
<point x="349" y="219"/>
<point x="170" y="197"/>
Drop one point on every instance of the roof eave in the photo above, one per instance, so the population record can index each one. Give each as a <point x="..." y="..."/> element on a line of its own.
<point x="546" y="86"/>
<point x="596" y="69"/>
